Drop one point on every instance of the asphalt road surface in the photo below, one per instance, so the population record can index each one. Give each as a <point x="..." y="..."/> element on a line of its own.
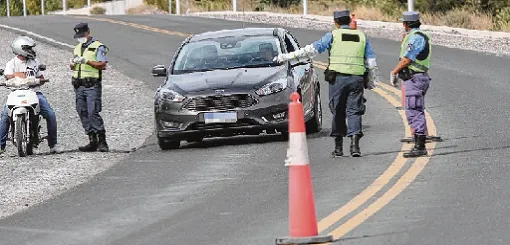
<point x="235" y="192"/>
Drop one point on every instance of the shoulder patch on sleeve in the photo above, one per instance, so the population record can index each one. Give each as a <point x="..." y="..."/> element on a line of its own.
<point x="103" y="50"/>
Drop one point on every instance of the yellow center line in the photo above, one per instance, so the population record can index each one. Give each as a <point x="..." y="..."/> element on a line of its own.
<point x="394" y="191"/>
<point x="380" y="182"/>
<point x="403" y="182"/>
<point x="139" y="26"/>
<point x="377" y="185"/>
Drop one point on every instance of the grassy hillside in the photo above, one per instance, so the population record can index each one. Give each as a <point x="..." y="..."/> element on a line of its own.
<point x="34" y="6"/>
<point x="472" y="14"/>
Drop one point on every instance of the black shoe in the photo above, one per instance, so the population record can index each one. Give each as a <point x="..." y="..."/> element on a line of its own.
<point x="92" y="145"/>
<point x="419" y="148"/>
<point x="102" y="145"/>
<point x="355" y="151"/>
<point x="338" y="152"/>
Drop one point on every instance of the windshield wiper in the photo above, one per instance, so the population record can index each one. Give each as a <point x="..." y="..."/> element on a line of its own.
<point x="251" y="66"/>
<point x="191" y="71"/>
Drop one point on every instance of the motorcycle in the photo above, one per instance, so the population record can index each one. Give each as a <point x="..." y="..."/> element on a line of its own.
<point x="24" y="115"/>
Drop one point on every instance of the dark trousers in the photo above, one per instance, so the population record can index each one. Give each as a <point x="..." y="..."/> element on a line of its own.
<point x="346" y="102"/>
<point x="415" y="90"/>
<point x="88" y="106"/>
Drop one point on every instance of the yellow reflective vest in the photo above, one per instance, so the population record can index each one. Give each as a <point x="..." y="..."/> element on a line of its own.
<point x="90" y="53"/>
<point x="347" y="53"/>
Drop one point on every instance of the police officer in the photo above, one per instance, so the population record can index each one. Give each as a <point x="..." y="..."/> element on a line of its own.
<point x="88" y="62"/>
<point x="412" y="69"/>
<point x="350" y="54"/>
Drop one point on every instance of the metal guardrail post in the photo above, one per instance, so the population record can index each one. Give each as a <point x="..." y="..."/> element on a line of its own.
<point x="305" y="7"/>
<point x="8" y="7"/>
<point x="24" y="8"/>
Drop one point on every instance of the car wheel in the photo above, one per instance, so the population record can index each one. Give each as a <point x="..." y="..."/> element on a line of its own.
<point x="285" y="135"/>
<point x="315" y="124"/>
<point x="167" y="145"/>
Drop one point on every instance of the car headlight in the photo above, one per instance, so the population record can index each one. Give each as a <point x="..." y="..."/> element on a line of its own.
<point x="272" y="87"/>
<point x="170" y="95"/>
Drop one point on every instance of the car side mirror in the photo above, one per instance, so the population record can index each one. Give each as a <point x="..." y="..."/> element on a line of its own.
<point x="1" y="72"/>
<point x="158" y="71"/>
<point x="42" y="67"/>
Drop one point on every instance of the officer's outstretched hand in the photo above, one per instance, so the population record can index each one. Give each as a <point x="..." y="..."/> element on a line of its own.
<point x="281" y="58"/>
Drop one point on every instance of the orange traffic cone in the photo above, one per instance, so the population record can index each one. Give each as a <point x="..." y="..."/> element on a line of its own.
<point x="354" y="23"/>
<point x="302" y="217"/>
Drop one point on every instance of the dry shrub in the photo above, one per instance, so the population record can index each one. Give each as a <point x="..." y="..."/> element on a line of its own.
<point x="142" y="9"/>
<point x="460" y="18"/>
<point x="97" y="10"/>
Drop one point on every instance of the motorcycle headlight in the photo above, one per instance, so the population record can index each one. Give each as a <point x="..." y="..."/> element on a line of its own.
<point x="272" y="87"/>
<point x="170" y="95"/>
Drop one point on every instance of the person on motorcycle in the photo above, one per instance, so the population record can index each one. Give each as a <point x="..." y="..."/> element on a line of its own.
<point x="25" y="65"/>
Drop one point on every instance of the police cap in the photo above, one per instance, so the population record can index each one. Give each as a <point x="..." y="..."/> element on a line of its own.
<point x="341" y="13"/>
<point x="410" y="16"/>
<point x="80" y="30"/>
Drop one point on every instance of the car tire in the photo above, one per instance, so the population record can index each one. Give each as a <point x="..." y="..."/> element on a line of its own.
<point x="167" y="145"/>
<point x="315" y="124"/>
<point x="285" y="135"/>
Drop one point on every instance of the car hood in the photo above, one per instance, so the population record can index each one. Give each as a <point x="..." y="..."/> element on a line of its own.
<point x="242" y="78"/>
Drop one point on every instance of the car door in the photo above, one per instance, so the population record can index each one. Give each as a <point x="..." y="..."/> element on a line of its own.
<point x="302" y="73"/>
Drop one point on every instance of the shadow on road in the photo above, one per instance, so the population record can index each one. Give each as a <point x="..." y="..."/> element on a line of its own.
<point x="471" y="150"/>
<point x="393" y="152"/>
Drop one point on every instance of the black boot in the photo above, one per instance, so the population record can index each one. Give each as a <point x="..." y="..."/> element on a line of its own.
<point x="92" y="145"/>
<point x="102" y="145"/>
<point x="338" y="152"/>
<point x="419" y="147"/>
<point x="355" y="151"/>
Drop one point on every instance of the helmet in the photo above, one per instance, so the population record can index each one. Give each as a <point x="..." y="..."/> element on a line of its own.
<point x="23" y="46"/>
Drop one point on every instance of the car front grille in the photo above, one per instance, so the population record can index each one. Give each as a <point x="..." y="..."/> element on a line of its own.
<point x="220" y="102"/>
<point x="240" y="123"/>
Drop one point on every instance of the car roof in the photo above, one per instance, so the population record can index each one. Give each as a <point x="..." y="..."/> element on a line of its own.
<point x="253" y="31"/>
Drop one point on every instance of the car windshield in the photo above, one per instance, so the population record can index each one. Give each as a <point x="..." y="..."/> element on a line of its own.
<point x="227" y="53"/>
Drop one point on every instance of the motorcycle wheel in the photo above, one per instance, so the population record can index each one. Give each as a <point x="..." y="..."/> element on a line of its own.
<point x="22" y="137"/>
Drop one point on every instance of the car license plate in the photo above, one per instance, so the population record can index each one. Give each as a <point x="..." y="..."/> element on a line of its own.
<point x="220" y="117"/>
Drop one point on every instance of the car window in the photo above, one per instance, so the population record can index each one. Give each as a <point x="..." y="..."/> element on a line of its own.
<point x="293" y="41"/>
<point x="289" y="44"/>
<point x="227" y="53"/>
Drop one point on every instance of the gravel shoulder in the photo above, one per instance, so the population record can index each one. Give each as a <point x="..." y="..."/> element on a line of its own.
<point x="494" y="43"/>
<point x="126" y="104"/>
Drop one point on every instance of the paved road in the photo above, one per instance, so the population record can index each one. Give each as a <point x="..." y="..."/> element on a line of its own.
<point x="235" y="191"/>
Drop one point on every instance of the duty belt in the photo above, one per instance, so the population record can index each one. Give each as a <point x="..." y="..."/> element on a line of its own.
<point x="86" y="82"/>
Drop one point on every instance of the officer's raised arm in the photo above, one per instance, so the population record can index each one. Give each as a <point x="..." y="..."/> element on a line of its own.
<point x="310" y="50"/>
<point x="318" y="47"/>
